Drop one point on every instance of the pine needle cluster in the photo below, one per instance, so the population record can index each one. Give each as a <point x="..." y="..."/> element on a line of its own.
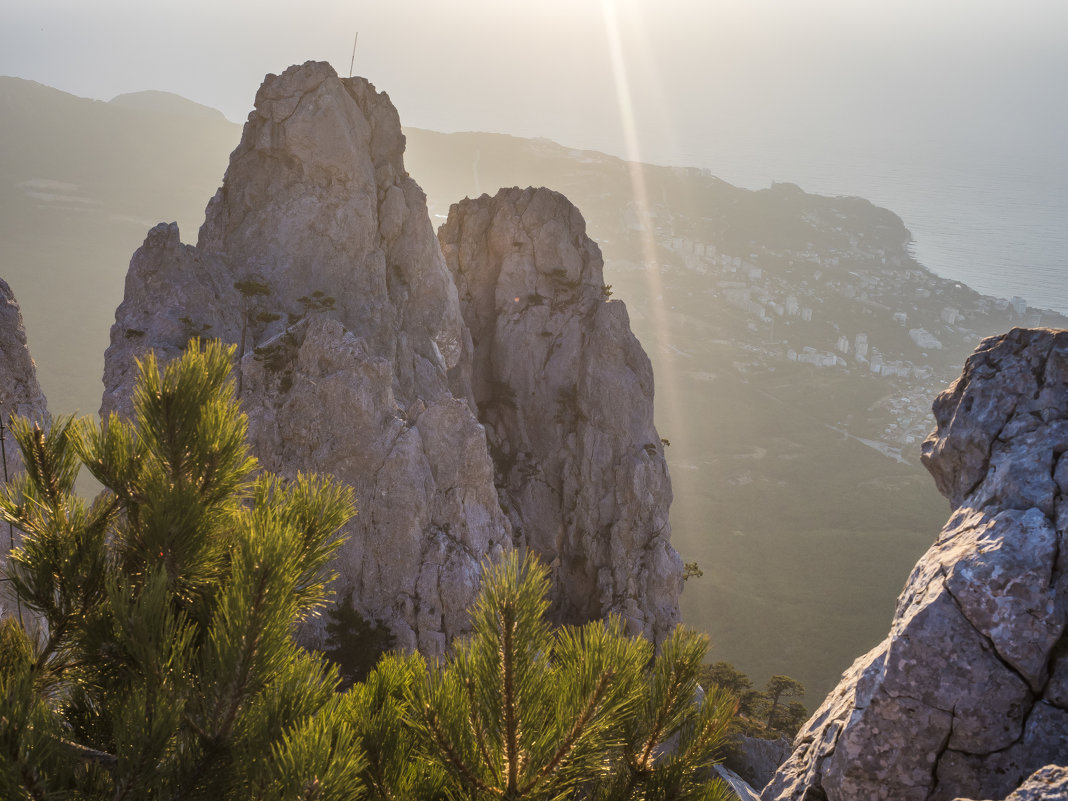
<point x="156" y="660"/>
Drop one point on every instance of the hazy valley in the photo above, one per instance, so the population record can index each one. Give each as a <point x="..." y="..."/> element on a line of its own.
<point x="795" y="465"/>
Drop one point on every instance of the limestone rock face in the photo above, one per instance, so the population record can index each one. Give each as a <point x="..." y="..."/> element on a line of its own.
<point x="317" y="258"/>
<point x="20" y="394"/>
<point x="968" y="695"/>
<point x="565" y="392"/>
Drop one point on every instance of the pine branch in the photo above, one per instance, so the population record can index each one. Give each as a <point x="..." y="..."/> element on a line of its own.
<point x="454" y="758"/>
<point x="511" y="721"/>
<point x="476" y="726"/>
<point x="89" y="755"/>
<point x="662" y="714"/>
<point x="237" y="694"/>
<point x="577" y="729"/>
<point x="42" y="460"/>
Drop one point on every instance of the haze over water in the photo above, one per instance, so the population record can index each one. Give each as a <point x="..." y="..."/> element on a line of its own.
<point x="994" y="219"/>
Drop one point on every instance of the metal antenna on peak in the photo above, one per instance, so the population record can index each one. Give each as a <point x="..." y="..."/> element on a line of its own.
<point x="353" y="60"/>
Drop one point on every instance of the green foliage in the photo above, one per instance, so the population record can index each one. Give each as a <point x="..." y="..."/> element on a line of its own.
<point x="691" y="570"/>
<point x="380" y="709"/>
<point x="165" y="666"/>
<point x="317" y="301"/>
<point x="726" y="676"/>
<point x="778" y="688"/>
<point x="522" y="710"/>
<point x="763" y="712"/>
<point x="252" y="288"/>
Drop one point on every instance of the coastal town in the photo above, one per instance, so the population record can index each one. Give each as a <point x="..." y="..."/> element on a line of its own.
<point x="850" y="298"/>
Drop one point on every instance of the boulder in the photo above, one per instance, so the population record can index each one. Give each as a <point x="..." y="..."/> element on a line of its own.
<point x="1045" y="784"/>
<point x="968" y="694"/>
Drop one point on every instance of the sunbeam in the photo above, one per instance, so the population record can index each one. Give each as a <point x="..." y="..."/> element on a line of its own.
<point x="662" y="330"/>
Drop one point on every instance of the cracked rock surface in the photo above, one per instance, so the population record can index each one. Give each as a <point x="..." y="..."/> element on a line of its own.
<point x="1046" y="784"/>
<point x="968" y="694"/>
<point x="565" y="392"/>
<point x="317" y="258"/>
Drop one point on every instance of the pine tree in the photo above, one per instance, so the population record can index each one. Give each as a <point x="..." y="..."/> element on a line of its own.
<point x="521" y="710"/>
<point x="778" y="688"/>
<point x="163" y="665"/>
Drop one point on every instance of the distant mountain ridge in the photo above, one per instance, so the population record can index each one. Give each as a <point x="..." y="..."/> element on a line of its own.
<point x="166" y="103"/>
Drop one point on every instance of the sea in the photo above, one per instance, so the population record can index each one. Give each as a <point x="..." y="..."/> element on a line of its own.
<point x="991" y="214"/>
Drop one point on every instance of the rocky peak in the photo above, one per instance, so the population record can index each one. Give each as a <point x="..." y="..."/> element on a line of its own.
<point x="318" y="260"/>
<point x="20" y="394"/>
<point x="565" y="392"/>
<point x="316" y="206"/>
<point x="968" y="695"/>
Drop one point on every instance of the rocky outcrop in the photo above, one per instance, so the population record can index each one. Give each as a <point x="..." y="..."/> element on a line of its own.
<point x="565" y="392"/>
<point x="756" y="759"/>
<point x="318" y="260"/>
<point x="20" y="394"/>
<point x="968" y="695"/>
<point x="1046" y="784"/>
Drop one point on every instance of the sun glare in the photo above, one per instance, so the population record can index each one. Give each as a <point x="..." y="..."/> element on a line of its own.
<point x="640" y="199"/>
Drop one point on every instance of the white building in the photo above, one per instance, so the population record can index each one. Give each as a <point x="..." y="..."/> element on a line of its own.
<point x="860" y="346"/>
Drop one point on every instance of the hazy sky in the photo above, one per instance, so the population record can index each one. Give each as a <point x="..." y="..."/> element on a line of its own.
<point x="693" y="70"/>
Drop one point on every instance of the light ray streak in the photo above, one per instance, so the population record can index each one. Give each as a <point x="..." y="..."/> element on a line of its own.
<point x="651" y="271"/>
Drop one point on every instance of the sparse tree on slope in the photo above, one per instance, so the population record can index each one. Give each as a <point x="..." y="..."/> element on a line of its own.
<point x="777" y="689"/>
